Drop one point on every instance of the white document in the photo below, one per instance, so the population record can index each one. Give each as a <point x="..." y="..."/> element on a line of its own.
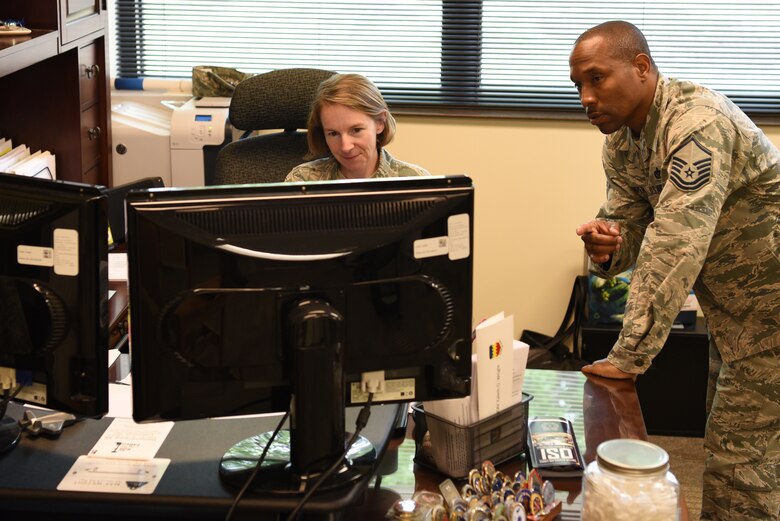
<point x="40" y="164"/>
<point x="120" y="400"/>
<point x="122" y="460"/>
<point x="13" y="169"/>
<point x="455" y="410"/>
<point x="117" y="266"/>
<point x="518" y="373"/>
<point x="495" y="363"/>
<point x="125" y="439"/>
<point x="14" y="156"/>
<point x="110" y="475"/>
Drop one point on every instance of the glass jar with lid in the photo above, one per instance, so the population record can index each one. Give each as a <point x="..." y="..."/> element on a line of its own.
<point x="630" y="480"/>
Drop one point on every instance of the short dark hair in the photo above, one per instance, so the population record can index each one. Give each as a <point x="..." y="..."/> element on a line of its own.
<point x="625" y="39"/>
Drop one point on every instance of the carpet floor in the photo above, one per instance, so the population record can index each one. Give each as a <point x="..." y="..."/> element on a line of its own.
<point x="686" y="460"/>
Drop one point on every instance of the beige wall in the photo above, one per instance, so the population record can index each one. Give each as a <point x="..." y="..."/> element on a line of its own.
<point x="536" y="181"/>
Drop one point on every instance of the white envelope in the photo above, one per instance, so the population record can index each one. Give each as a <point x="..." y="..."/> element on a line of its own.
<point x="493" y="344"/>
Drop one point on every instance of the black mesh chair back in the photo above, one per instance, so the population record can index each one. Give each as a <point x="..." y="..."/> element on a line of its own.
<point x="277" y="100"/>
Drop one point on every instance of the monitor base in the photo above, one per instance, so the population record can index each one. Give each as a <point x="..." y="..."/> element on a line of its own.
<point x="10" y="433"/>
<point x="276" y="475"/>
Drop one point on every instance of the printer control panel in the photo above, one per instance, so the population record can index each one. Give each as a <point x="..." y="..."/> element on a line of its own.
<point x="194" y="126"/>
<point x="199" y="129"/>
<point x="202" y="130"/>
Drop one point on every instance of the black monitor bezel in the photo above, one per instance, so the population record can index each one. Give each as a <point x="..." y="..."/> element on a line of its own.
<point x="85" y="352"/>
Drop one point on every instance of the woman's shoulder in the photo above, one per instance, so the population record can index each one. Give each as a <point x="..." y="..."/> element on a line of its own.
<point x="398" y="168"/>
<point x="317" y="170"/>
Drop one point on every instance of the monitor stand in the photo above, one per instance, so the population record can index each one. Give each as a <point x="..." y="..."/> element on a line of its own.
<point x="276" y="475"/>
<point x="10" y="433"/>
<point x="298" y="456"/>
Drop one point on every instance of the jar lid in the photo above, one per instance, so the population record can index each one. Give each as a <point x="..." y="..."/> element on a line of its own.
<point x="632" y="456"/>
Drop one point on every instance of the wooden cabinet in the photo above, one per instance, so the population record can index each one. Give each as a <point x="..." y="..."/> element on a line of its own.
<point x="80" y="18"/>
<point x="54" y="86"/>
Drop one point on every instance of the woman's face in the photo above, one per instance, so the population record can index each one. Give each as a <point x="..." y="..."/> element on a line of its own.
<point x="351" y="138"/>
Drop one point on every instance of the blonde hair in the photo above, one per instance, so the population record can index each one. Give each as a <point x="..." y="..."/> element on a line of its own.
<point x="356" y="92"/>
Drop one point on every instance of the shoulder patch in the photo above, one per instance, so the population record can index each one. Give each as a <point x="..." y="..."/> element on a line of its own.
<point x="691" y="166"/>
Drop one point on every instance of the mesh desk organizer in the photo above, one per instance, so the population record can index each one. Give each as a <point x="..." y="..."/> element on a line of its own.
<point x="455" y="449"/>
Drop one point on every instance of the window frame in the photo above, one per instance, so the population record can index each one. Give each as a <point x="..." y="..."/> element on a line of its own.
<point x="460" y="92"/>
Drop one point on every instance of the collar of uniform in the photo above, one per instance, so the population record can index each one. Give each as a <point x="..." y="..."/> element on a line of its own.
<point x="384" y="164"/>
<point x="331" y="169"/>
<point x="649" y="133"/>
<point x="334" y="172"/>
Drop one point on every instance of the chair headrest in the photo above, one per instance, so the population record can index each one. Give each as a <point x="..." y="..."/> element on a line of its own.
<point x="279" y="99"/>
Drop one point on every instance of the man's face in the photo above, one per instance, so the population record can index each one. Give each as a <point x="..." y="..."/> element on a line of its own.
<point x="610" y="88"/>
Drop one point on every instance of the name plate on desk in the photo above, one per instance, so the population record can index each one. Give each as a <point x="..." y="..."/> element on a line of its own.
<point x="90" y="474"/>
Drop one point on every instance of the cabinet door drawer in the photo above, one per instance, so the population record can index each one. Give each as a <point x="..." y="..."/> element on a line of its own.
<point x="90" y="74"/>
<point x="79" y="18"/>
<point x="91" y="176"/>
<point x="92" y="138"/>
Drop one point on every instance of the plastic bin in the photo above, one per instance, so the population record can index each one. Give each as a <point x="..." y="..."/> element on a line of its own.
<point x="455" y="449"/>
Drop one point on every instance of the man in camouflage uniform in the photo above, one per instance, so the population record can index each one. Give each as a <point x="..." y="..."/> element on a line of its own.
<point x="693" y="199"/>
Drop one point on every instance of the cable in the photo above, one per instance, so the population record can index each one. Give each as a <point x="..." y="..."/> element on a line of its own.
<point x="256" y="469"/>
<point x="360" y="423"/>
<point x="7" y="397"/>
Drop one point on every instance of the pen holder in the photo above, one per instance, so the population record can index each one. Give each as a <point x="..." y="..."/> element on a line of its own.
<point x="456" y="449"/>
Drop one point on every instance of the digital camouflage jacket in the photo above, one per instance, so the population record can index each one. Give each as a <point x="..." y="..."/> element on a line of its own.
<point x="697" y="196"/>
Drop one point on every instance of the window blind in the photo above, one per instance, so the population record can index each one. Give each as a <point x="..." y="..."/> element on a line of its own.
<point x="466" y="55"/>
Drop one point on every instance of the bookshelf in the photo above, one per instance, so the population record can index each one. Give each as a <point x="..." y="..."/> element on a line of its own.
<point x="54" y="88"/>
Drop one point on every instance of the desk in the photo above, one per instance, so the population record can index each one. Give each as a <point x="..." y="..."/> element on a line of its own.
<point x="600" y="409"/>
<point x="673" y="391"/>
<point x="189" y="489"/>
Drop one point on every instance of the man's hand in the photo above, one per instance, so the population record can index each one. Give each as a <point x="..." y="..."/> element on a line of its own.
<point x="601" y="238"/>
<point x="605" y="368"/>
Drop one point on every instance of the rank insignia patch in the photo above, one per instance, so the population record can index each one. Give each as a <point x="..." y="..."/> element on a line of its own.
<point x="691" y="166"/>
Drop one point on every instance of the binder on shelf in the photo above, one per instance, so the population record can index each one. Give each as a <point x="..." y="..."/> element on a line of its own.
<point x="20" y="161"/>
<point x="41" y="166"/>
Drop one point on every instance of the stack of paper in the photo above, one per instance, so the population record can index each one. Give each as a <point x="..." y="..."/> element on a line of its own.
<point x="18" y="160"/>
<point x="497" y="374"/>
<point x="122" y="461"/>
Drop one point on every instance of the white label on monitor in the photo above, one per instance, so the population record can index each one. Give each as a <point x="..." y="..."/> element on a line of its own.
<point x="399" y="389"/>
<point x="459" y="234"/>
<point x="34" y="255"/>
<point x="432" y="247"/>
<point x="66" y="252"/>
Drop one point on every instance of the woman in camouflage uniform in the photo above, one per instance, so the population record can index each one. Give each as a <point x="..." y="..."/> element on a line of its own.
<point x="350" y="124"/>
<point x="693" y="199"/>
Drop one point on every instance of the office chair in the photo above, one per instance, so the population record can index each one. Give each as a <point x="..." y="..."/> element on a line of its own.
<point x="279" y="99"/>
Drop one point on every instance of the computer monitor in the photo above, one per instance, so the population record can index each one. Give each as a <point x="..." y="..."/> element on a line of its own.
<point x="244" y="296"/>
<point x="53" y="296"/>
<point x="116" y="205"/>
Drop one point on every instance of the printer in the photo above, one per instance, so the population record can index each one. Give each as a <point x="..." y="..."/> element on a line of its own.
<point x="199" y="129"/>
<point x="176" y="140"/>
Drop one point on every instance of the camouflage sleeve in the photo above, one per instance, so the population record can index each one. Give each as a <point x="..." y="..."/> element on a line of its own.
<point x="295" y="175"/>
<point x="676" y="242"/>
<point x="316" y="170"/>
<point x="410" y="170"/>
<point x="625" y="207"/>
